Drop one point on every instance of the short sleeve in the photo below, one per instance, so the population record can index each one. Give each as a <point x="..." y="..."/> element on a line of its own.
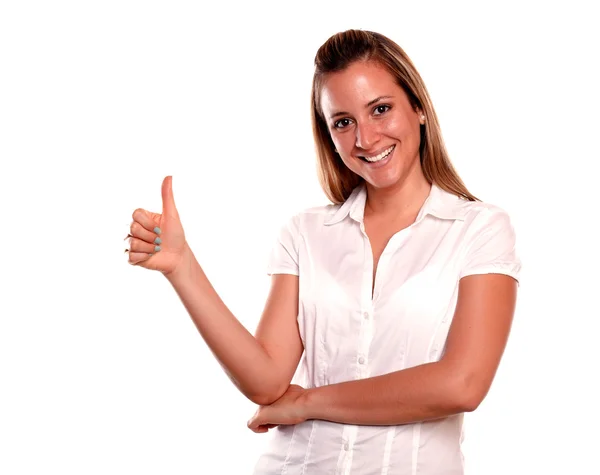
<point x="493" y="250"/>
<point x="283" y="258"/>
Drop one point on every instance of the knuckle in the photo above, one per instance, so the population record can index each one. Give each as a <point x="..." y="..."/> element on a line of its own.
<point x="138" y="213"/>
<point x="135" y="227"/>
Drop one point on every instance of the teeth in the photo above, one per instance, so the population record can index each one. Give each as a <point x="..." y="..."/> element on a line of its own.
<point x="381" y="156"/>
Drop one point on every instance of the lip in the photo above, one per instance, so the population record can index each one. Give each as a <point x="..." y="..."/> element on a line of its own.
<point x="381" y="163"/>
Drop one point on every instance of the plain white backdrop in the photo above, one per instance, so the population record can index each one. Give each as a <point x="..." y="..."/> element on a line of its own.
<point x="102" y="370"/>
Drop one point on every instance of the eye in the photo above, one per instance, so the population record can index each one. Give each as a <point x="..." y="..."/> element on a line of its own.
<point x="380" y="109"/>
<point x="340" y="124"/>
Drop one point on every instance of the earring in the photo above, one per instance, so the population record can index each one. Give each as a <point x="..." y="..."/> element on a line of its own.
<point x="422" y="118"/>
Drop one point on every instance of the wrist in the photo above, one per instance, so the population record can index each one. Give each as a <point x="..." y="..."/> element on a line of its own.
<point x="183" y="268"/>
<point x="307" y="402"/>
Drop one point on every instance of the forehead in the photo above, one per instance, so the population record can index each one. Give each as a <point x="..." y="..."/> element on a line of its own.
<point x="356" y="86"/>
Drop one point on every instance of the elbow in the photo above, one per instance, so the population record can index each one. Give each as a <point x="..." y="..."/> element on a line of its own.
<point x="470" y="394"/>
<point x="469" y="403"/>
<point x="261" y="399"/>
<point x="267" y="397"/>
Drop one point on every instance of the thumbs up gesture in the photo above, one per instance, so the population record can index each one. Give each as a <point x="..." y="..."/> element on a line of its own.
<point x="157" y="241"/>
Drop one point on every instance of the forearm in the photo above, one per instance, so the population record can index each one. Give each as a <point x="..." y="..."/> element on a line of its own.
<point x="429" y="391"/>
<point x="244" y="360"/>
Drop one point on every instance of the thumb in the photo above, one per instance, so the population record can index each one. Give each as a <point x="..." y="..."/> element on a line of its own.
<point x="169" y="208"/>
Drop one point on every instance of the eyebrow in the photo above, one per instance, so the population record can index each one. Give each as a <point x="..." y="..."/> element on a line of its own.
<point x="369" y="104"/>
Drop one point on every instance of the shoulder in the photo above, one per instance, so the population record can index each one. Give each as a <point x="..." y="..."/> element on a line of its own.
<point x="480" y="215"/>
<point x="312" y="218"/>
<point x="490" y="241"/>
<point x="479" y="220"/>
<point x="472" y="214"/>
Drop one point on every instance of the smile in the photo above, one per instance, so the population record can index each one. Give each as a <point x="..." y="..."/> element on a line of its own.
<point x="378" y="158"/>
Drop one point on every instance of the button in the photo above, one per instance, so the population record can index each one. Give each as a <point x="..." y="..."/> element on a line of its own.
<point x="361" y="360"/>
<point x="366" y="314"/>
<point x="346" y="446"/>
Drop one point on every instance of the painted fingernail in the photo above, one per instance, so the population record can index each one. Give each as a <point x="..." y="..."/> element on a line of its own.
<point x="157" y="240"/>
<point x="156" y="248"/>
<point x="157" y="230"/>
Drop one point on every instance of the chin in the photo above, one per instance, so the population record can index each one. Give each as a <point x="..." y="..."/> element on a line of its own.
<point x="382" y="182"/>
<point x="394" y="176"/>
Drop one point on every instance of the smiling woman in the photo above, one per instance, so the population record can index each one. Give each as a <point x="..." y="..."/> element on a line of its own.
<point x="373" y="126"/>
<point x="396" y="299"/>
<point x="368" y="75"/>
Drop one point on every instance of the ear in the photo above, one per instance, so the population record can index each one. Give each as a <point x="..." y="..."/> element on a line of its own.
<point x="421" y="116"/>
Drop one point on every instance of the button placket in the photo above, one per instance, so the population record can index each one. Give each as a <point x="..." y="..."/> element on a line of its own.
<point x="364" y="343"/>
<point x="365" y="312"/>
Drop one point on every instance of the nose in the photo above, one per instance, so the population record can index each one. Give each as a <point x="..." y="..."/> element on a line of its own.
<point x="367" y="135"/>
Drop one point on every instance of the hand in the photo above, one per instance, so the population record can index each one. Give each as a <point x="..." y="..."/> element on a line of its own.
<point x="144" y="235"/>
<point x="287" y="410"/>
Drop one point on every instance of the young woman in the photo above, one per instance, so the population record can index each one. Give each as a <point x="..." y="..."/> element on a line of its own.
<point x="396" y="300"/>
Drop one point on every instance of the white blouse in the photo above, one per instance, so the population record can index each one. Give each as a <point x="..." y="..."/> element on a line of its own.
<point x="350" y="333"/>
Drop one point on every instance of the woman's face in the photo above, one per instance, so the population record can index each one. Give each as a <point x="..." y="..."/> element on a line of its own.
<point x="374" y="128"/>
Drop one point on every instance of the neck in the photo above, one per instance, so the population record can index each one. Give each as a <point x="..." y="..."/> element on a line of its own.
<point x="400" y="200"/>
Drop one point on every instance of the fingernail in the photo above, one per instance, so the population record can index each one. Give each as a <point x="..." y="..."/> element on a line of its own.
<point x="156" y="248"/>
<point x="157" y="240"/>
<point x="157" y="230"/>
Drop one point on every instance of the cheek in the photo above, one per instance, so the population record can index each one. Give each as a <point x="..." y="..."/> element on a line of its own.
<point x="399" y="128"/>
<point x="344" y="142"/>
<point x="336" y="141"/>
<point x="351" y="164"/>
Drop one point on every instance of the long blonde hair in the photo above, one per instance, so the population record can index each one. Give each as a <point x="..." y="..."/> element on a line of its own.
<point x="336" y="54"/>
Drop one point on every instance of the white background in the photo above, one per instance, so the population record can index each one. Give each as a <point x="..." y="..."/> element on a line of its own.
<point x="101" y="369"/>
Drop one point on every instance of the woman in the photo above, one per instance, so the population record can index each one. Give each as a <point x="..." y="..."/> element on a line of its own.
<point x="400" y="294"/>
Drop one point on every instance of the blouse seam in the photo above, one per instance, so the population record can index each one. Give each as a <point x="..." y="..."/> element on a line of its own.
<point x="308" y="447"/>
<point x="387" y="452"/>
<point x="288" y="455"/>
<point x="415" y="448"/>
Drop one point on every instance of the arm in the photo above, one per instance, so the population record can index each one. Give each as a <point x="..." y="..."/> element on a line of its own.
<point x="261" y="367"/>
<point x="457" y="383"/>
